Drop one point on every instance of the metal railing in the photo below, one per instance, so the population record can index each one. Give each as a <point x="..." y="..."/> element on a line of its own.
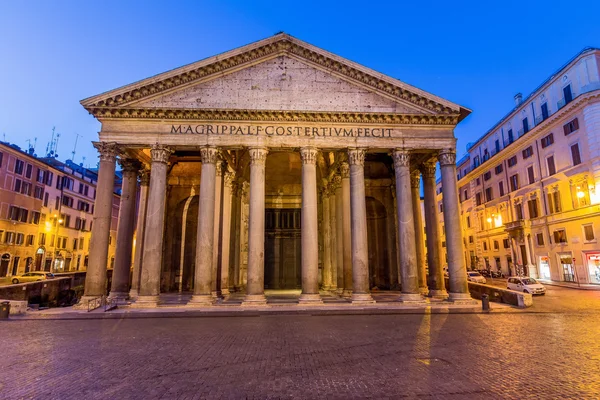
<point x="95" y="303"/>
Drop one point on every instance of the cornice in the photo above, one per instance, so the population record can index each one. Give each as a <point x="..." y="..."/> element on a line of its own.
<point x="251" y="54"/>
<point x="103" y="113"/>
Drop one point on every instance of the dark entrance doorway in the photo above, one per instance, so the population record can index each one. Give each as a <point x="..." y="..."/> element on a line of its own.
<point x="282" y="249"/>
<point x="4" y="261"/>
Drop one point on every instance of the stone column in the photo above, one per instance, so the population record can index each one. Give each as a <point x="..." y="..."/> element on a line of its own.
<point x="391" y="241"/>
<point x="458" y="287"/>
<point x="415" y="184"/>
<point x="359" y="243"/>
<point x="226" y="232"/>
<point x="237" y="187"/>
<point x="155" y="229"/>
<point x="406" y="228"/>
<point x="216" y="279"/>
<point x="139" y="234"/>
<point x="339" y="233"/>
<point x="95" y="278"/>
<point x="255" y="288"/>
<point x="120" y="279"/>
<point x="203" y="274"/>
<point x="437" y="286"/>
<point x="332" y="236"/>
<point x="346" y="229"/>
<point x="310" y="228"/>
<point x="327" y="269"/>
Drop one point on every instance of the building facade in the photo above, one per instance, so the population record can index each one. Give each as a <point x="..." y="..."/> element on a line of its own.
<point x="46" y="209"/>
<point x="272" y="166"/>
<point x="529" y="203"/>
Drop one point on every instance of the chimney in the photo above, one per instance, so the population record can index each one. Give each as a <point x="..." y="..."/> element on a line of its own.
<point x="518" y="99"/>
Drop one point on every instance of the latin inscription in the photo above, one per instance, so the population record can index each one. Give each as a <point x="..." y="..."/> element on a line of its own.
<point x="275" y="130"/>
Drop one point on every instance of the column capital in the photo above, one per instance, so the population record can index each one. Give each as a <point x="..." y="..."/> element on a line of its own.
<point x="357" y="156"/>
<point x="258" y="155"/>
<point x="160" y="153"/>
<point x="401" y="158"/>
<point x="447" y="157"/>
<point x="344" y="170"/>
<point x="209" y="155"/>
<point x="219" y="166"/>
<point x="415" y="179"/>
<point x="309" y="155"/>
<point x="229" y="179"/>
<point x="108" y="150"/>
<point x="144" y="177"/>
<point x="129" y="165"/>
<point x="428" y="168"/>
<point x="335" y="182"/>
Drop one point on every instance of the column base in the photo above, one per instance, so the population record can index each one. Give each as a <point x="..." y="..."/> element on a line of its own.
<point x="254" y="300"/>
<point x="333" y="288"/>
<point x="225" y="292"/>
<point x="145" y="302"/>
<point x="362" y="298"/>
<point x="438" y="294"/>
<point x="326" y="288"/>
<point x="347" y="293"/>
<point x="118" y="295"/>
<point x="83" y="302"/>
<point x="339" y="291"/>
<point x="424" y="290"/>
<point x="411" y="298"/>
<point x="201" y="300"/>
<point x="215" y="294"/>
<point x="133" y="294"/>
<point x="309" y="299"/>
<point x="461" y="298"/>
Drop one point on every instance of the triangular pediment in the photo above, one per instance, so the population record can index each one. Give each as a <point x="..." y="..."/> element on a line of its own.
<point x="280" y="73"/>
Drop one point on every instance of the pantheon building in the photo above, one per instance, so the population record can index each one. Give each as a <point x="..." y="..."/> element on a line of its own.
<point x="276" y="165"/>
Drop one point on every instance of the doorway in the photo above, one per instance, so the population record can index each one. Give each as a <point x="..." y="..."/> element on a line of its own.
<point x="566" y="262"/>
<point x="4" y="261"/>
<point x="283" y="268"/>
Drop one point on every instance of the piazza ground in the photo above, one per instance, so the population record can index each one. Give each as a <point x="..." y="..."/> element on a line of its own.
<point x="543" y="354"/>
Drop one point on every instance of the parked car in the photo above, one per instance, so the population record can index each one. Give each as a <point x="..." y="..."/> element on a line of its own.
<point x="32" y="277"/>
<point x="525" y="284"/>
<point x="474" y="276"/>
<point x="485" y="272"/>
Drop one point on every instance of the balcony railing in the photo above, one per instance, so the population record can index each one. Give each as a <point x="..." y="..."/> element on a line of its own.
<point x="514" y="225"/>
<point x="539" y="119"/>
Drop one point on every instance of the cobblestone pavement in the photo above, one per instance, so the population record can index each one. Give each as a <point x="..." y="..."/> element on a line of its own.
<point x="450" y="356"/>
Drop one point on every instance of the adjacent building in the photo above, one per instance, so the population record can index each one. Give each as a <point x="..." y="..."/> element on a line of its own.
<point x="528" y="186"/>
<point x="46" y="209"/>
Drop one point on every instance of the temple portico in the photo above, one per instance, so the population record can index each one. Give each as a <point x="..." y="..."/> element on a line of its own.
<point x="272" y="185"/>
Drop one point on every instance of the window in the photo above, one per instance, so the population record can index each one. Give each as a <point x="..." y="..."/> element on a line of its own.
<point x="18" y="183"/>
<point x="496" y="245"/>
<point x="488" y="194"/>
<point x="588" y="232"/>
<point x="547" y="140"/>
<point x="530" y="174"/>
<point x="471" y="239"/>
<point x="81" y="243"/>
<point x="20" y="238"/>
<point x="465" y="194"/>
<point x="501" y="188"/>
<point x="468" y="221"/>
<point x="544" y="111"/>
<point x="78" y="223"/>
<point x="67" y="220"/>
<point x="560" y="236"/>
<point x="38" y="192"/>
<point x="42" y="239"/>
<point x="29" y="240"/>
<point x="499" y="168"/>
<point x="75" y="244"/>
<point x="554" y="202"/>
<point x="26" y="188"/>
<point x="532" y="205"/>
<point x="57" y="204"/>
<point x="580" y="194"/>
<point x="67" y="201"/>
<point x="46" y="195"/>
<point x="48" y="178"/>
<point x="511" y="137"/>
<point x="539" y="237"/>
<point x="487" y="176"/>
<point x="528" y="152"/>
<point x="476" y="162"/>
<point x="9" y="238"/>
<point x="568" y="94"/>
<point x="478" y="181"/>
<point x="40" y="176"/>
<point x="571" y="126"/>
<point x="525" y="125"/>
<point x="35" y="217"/>
<point x="514" y="182"/>
<point x="575" y="154"/>
<point x="478" y="198"/>
<point x="497" y="145"/>
<point x="19" y="167"/>
<point x="512" y="161"/>
<point x="18" y="214"/>
<point x="484" y="246"/>
<point x="506" y="243"/>
<point x="441" y="206"/>
<point x="519" y="211"/>
<point x="551" y="165"/>
<point x="1" y="156"/>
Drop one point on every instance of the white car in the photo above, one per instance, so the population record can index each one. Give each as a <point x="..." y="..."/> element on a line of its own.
<point x="525" y="284"/>
<point x="474" y="276"/>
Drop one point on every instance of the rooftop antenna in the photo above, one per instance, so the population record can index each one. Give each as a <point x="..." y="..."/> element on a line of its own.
<point x="50" y="145"/>
<point x="56" y="145"/>
<point x="74" y="147"/>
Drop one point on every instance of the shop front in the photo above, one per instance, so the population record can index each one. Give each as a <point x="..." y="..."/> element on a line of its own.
<point x="544" y="263"/>
<point x="565" y="261"/>
<point x="592" y="261"/>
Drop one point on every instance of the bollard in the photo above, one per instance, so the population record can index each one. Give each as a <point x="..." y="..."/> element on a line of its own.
<point x="4" y="309"/>
<point x="485" y="302"/>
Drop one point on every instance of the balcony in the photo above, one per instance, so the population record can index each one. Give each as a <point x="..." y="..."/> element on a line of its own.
<point x="516" y="225"/>
<point x="539" y="119"/>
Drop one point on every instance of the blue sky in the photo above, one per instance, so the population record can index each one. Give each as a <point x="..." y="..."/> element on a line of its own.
<point x="55" y="53"/>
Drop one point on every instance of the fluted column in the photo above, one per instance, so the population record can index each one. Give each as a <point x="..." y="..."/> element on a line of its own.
<point x="95" y="278"/>
<point x="120" y="279"/>
<point x="203" y="274"/>
<point x="327" y="270"/>
<point x="406" y="228"/>
<point x="139" y="233"/>
<point x="415" y="184"/>
<point x="359" y="242"/>
<point x="226" y="232"/>
<point x="310" y="230"/>
<point x="437" y="286"/>
<point x="339" y="233"/>
<point x="155" y="228"/>
<point x="255" y="289"/>
<point x="216" y="278"/>
<point x="332" y="236"/>
<point x="346" y="229"/>
<point x="458" y="287"/>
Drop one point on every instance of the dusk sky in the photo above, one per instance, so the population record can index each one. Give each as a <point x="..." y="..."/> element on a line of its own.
<point x="55" y="53"/>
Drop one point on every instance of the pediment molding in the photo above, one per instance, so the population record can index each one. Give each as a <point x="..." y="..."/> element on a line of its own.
<point x="277" y="45"/>
<point x="103" y="113"/>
